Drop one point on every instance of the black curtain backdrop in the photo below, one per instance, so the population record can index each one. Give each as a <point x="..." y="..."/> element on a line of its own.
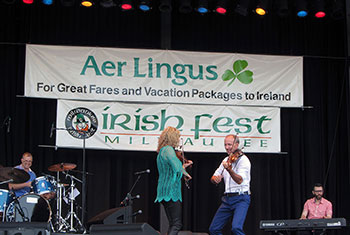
<point x="315" y="139"/>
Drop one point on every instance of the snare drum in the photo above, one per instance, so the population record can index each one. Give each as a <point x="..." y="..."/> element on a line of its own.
<point x="43" y="184"/>
<point x="5" y="199"/>
<point x="34" y="207"/>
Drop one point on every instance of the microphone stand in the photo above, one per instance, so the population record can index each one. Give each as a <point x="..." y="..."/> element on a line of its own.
<point x="7" y="123"/>
<point x="83" y="193"/>
<point x="127" y="202"/>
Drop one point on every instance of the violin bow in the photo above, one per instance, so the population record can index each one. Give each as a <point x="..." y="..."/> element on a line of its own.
<point x="183" y="161"/>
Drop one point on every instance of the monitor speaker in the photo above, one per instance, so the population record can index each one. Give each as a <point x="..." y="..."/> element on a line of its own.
<point x="24" y="228"/>
<point x="112" y="216"/>
<point x="122" y="229"/>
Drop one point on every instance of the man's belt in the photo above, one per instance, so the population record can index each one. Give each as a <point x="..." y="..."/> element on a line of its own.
<point x="236" y="194"/>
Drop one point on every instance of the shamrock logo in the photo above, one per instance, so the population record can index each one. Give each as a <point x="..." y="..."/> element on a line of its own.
<point x="244" y="77"/>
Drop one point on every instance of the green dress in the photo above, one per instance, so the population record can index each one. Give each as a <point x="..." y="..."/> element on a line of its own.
<point x="170" y="174"/>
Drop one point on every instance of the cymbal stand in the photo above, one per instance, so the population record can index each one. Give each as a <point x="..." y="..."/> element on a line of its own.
<point x="7" y="181"/>
<point x="71" y="214"/>
<point x="61" y="224"/>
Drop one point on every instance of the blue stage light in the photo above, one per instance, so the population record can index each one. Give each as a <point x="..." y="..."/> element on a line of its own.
<point x="301" y="8"/>
<point x="48" y="2"/>
<point x="144" y="8"/>
<point x="302" y="13"/>
<point x="145" y="5"/>
<point x="202" y="10"/>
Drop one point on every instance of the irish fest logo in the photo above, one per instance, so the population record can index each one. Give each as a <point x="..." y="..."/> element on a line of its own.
<point x="81" y="123"/>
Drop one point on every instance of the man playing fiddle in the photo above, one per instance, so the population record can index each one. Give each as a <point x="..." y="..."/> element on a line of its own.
<point x="235" y="170"/>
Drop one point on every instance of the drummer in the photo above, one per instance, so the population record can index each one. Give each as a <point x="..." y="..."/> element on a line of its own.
<point x="26" y="163"/>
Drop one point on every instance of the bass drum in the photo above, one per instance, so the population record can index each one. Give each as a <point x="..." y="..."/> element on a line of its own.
<point x="29" y="208"/>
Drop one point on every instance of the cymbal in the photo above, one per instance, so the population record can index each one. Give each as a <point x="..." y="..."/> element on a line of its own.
<point x="62" y="167"/>
<point x="17" y="175"/>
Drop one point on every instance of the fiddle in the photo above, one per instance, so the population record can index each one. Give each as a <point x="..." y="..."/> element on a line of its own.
<point x="234" y="156"/>
<point x="185" y="162"/>
<point x="180" y="155"/>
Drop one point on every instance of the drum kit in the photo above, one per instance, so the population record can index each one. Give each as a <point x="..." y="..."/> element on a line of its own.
<point x="37" y="206"/>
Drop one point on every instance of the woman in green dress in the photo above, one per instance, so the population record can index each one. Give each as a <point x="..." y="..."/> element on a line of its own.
<point x="171" y="170"/>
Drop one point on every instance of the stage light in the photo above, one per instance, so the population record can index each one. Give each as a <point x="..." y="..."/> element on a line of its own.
<point x="203" y="6"/>
<point x="107" y="3"/>
<point x="165" y="6"/>
<point x="320" y="9"/>
<point x="86" y="3"/>
<point x="320" y="14"/>
<point x="260" y="11"/>
<point x="185" y="6"/>
<point x="221" y="7"/>
<point x="302" y="13"/>
<point x="48" y="2"/>
<point x="202" y="10"/>
<point x="338" y="10"/>
<point x="145" y="5"/>
<point x="126" y="5"/>
<point x="301" y="8"/>
<point x="67" y="3"/>
<point x="242" y="7"/>
<point x="262" y="7"/>
<point x="282" y="7"/>
<point x="28" y="1"/>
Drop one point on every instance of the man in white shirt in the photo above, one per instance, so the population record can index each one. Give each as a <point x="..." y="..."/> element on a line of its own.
<point x="235" y="170"/>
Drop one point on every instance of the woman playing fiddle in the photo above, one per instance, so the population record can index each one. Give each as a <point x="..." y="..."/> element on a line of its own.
<point x="171" y="170"/>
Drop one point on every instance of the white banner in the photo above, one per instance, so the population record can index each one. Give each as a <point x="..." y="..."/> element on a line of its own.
<point x="126" y="126"/>
<point x="138" y="75"/>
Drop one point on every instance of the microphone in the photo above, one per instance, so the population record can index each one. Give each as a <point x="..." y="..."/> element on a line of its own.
<point x="142" y="172"/>
<point x="8" y="124"/>
<point x="52" y="129"/>
<point x="137" y="213"/>
<point x="127" y="198"/>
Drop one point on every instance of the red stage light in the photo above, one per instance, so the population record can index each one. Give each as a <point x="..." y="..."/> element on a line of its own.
<point x="221" y="10"/>
<point x="320" y="14"/>
<point x="28" y="1"/>
<point x="126" y="7"/>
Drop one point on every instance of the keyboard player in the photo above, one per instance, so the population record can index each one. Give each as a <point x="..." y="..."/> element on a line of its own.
<point x="317" y="207"/>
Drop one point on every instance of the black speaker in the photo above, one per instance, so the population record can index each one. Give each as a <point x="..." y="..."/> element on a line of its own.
<point x="123" y="229"/>
<point x="113" y="216"/>
<point x="24" y="228"/>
